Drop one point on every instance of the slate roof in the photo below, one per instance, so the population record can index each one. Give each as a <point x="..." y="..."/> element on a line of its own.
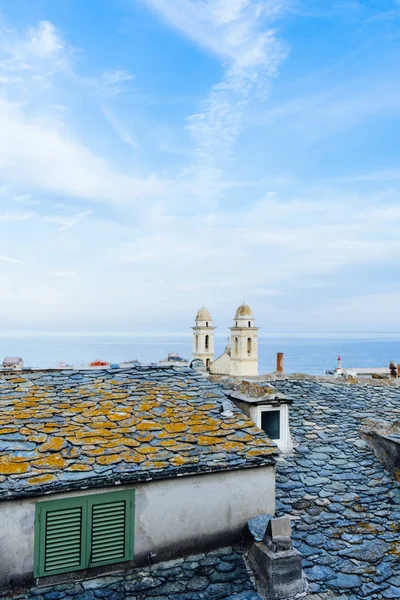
<point x="345" y="505"/>
<point x="218" y="575"/>
<point x="63" y="430"/>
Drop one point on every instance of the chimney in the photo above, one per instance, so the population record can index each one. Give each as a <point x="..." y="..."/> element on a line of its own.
<point x="279" y="362"/>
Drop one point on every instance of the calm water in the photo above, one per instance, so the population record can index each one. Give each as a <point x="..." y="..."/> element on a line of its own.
<point x="304" y="353"/>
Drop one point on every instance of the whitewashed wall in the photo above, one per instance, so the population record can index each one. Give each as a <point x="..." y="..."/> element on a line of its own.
<point x="172" y="516"/>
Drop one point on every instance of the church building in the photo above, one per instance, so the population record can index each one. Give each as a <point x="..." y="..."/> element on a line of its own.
<point x="240" y="357"/>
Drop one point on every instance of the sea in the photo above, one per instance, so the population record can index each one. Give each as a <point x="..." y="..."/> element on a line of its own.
<point x="306" y="352"/>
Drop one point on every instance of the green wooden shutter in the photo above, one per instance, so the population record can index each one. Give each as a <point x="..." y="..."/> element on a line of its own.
<point x="111" y="528"/>
<point x="63" y="546"/>
<point x="60" y="540"/>
<point x="76" y="533"/>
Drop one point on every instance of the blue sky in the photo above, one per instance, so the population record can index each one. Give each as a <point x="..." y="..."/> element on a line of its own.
<point x="156" y="155"/>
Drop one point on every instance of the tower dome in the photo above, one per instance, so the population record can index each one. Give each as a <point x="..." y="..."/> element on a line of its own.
<point x="203" y="314"/>
<point x="244" y="310"/>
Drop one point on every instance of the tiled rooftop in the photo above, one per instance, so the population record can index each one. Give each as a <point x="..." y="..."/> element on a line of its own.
<point x="67" y="429"/>
<point x="346" y="507"/>
<point x="217" y="575"/>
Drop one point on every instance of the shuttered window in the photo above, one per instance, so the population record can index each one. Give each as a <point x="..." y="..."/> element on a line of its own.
<point x="77" y="533"/>
<point x="108" y="532"/>
<point x="63" y="543"/>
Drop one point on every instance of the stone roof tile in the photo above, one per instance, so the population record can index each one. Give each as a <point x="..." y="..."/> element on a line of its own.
<point x="67" y="429"/>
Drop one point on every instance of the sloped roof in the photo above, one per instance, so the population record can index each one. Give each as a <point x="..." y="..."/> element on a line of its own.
<point x="68" y="429"/>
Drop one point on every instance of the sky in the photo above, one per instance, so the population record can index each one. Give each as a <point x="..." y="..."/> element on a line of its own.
<point x="158" y="155"/>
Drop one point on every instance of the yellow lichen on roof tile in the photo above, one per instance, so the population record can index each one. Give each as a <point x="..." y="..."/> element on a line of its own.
<point x="166" y="443"/>
<point x="80" y="467"/>
<point x="132" y="456"/>
<point x="90" y="451"/>
<point x="147" y="449"/>
<point x="178" y="461"/>
<point x="85" y="440"/>
<point x="208" y="440"/>
<point x="155" y="464"/>
<point x="108" y="459"/>
<point x="14" y="468"/>
<point x="103" y="425"/>
<point x="39" y="438"/>
<point x="148" y="426"/>
<point x="261" y="451"/>
<point x="175" y="427"/>
<point x="53" y="444"/>
<point x="51" y="461"/>
<point x="153" y="419"/>
<point x="40" y="479"/>
<point x="231" y="447"/>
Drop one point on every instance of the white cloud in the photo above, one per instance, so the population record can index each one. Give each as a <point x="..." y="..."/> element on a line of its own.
<point x="336" y="108"/>
<point x="110" y="82"/>
<point x="31" y="59"/>
<point x="119" y="129"/>
<point x="273" y="243"/>
<point x="37" y="149"/>
<point x="229" y="28"/>
<point x="16" y="216"/>
<point x="13" y="261"/>
<point x="238" y="31"/>
<point x="44" y="41"/>
<point x="42" y="155"/>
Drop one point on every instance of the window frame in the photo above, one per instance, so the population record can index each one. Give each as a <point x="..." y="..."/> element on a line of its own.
<point x="87" y="503"/>
<point x="269" y="411"/>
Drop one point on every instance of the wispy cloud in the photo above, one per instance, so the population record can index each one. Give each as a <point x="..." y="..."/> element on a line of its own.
<point x="38" y="149"/>
<point x="110" y="83"/>
<point x="13" y="261"/>
<point x="119" y="129"/>
<point x="42" y="154"/>
<point x="382" y="175"/>
<point x="336" y="108"/>
<point x="239" y="32"/>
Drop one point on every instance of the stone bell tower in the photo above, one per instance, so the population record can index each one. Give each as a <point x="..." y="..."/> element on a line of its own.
<point x="244" y="343"/>
<point x="203" y="337"/>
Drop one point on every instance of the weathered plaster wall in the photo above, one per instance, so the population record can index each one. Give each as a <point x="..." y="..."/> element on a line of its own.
<point x="221" y="365"/>
<point x="172" y="516"/>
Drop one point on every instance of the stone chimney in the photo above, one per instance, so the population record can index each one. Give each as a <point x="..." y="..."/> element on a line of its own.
<point x="276" y="565"/>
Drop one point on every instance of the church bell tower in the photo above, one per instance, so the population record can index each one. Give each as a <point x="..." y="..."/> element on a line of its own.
<point x="244" y="343"/>
<point x="203" y="337"/>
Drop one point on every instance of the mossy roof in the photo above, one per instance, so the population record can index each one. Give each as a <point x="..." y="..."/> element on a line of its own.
<point x="71" y="429"/>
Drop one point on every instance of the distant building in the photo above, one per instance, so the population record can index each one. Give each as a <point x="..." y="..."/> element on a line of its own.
<point x="240" y="357"/>
<point x="99" y="363"/>
<point x="13" y="363"/>
<point x="174" y="359"/>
